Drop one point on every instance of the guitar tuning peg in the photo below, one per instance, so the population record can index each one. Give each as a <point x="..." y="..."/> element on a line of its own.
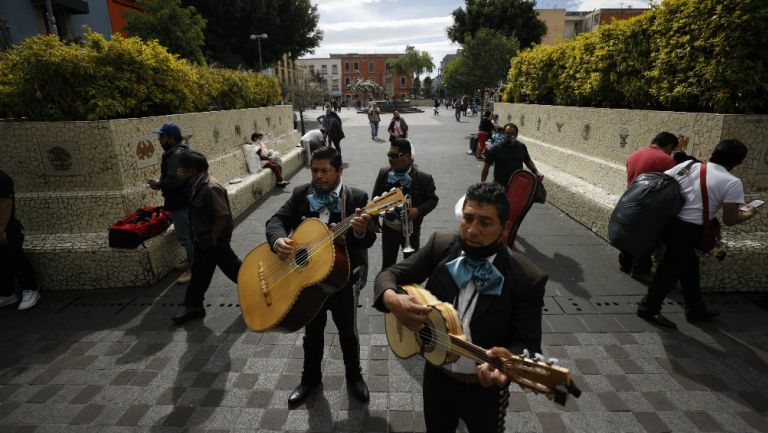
<point x="526" y="353"/>
<point x="551" y="361"/>
<point x="539" y="357"/>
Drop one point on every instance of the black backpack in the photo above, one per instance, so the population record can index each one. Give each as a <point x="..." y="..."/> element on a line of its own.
<point x="644" y="210"/>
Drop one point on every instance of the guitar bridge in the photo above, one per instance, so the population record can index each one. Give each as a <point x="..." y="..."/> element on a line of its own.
<point x="264" y="286"/>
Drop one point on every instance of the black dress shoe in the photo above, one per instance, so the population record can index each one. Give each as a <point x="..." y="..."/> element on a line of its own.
<point x="657" y="319"/>
<point x="359" y="389"/>
<point x="701" y="315"/>
<point x="300" y="394"/>
<point x="188" y="314"/>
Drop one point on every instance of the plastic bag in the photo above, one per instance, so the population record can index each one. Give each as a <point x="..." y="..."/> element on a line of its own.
<point x="252" y="158"/>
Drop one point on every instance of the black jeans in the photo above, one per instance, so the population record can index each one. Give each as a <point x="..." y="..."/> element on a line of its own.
<point x="391" y="241"/>
<point x="635" y="265"/>
<point x="337" y="144"/>
<point x="14" y="263"/>
<point x="343" y="309"/>
<point x="447" y="400"/>
<point x="203" y="268"/>
<point x="680" y="263"/>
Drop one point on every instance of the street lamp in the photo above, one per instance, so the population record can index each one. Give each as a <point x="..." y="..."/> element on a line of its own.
<point x="259" y="38"/>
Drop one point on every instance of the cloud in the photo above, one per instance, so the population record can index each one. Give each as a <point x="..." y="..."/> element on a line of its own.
<point x="431" y="23"/>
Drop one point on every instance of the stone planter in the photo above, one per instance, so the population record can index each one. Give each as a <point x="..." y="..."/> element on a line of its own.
<point x="73" y="179"/>
<point x="582" y="153"/>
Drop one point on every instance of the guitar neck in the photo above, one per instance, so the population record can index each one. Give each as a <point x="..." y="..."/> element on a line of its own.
<point x="476" y="353"/>
<point x="344" y="225"/>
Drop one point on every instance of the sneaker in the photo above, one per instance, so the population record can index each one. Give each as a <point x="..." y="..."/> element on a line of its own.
<point x="184" y="278"/>
<point x="29" y="299"/>
<point x="469" y="152"/>
<point x="9" y="300"/>
<point x="282" y="184"/>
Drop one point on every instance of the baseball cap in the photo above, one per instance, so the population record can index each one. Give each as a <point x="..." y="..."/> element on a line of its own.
<point x="169" y="128"/>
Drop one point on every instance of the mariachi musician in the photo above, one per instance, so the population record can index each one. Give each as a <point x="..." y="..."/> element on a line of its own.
<point x="416" y="184"/>
<point x="328" y="199"/>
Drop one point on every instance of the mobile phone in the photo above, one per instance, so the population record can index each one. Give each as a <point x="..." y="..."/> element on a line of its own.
<point x="755" y="204"/>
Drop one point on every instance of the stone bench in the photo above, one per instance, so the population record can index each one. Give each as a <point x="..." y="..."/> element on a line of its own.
<point x="587" y="189"/>
<point x="72" y="261"/>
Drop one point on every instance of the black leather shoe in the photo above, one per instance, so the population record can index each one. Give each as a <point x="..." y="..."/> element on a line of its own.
<point x="359" y="389"/>
<point x="657" y="319"/>
<point x="701" y="316"/>
<point x="188" y="314"/>
<point x="300" y="394"/>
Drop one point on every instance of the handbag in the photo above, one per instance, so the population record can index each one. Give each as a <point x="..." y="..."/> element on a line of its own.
<point x="710" y="235"/>
<point x="138" y="226"/>
<point x="540" y="195"/>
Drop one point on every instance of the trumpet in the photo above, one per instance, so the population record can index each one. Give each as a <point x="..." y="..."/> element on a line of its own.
<point x="407" y="226"/>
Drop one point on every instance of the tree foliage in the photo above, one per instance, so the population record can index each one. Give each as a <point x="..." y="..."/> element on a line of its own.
<point x="426" y="88"/>
<point x="303" y="96"/>
<point x="512" y="18"/>
<point x="365" y="87"/>
<point x="483" y="62"/>
<point x="179" y="29"/>
<point x="291" y="26"/>
<point x="416" y="87"/>
<point x="45" y="79"/>
<point x="685" y="55"/>
<point x="412" y="63"/>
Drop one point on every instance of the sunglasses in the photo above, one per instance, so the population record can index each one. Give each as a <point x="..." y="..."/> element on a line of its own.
<point x="394" y="155"/>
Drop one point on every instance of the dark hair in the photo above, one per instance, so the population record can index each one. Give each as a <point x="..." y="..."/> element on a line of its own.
<point x="665" y="139"/>
<point x="193" y="159"/>
<point x="512" y="125"/>
<point x="256" y="135"/>
<point x="487" y="113"/>
<point x="729" y="153"/>
<point x="327" y="153"/>
<point x="402" y="144"/>
<point x="491" y="193"/>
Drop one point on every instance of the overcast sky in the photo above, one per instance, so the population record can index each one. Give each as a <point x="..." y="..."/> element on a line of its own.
<point x="387" y="26"/>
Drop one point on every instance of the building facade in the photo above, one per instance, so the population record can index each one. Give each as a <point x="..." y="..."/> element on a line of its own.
<point x="20" y="19"/>
<point x="373" y="67"/>
<point x="562" y="24"/>
<point x="325" y="71"/>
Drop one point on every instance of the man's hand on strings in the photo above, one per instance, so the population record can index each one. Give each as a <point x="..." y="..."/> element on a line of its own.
<point x="407" y="310"/>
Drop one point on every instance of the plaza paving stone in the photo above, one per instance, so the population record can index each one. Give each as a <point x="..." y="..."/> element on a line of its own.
<point x="110" y="361"/>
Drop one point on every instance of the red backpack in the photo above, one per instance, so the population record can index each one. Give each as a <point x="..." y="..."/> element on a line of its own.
<point x="133" y="230"/>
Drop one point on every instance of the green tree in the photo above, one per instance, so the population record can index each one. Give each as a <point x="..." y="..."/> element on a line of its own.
<point x="365" y="88"/>
<point x="426" y="88"/>
<point x="456" y="77"/>
<point x="291" y="27"/>
<point x="513" y="18"/>
<point x="179" y="29"/>
<point x="413" y="63"/>
<point x="416" y="87"/>
<point x="302" y="96"/>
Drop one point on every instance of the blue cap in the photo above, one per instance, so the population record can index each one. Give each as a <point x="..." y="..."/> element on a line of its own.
<point x="169" y="128"/>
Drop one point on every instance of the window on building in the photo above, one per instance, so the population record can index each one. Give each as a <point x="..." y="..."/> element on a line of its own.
<point x="357" y="67"/>
<point x="346" y="67"/>
<point x="371" y="67"/>
<point x="335" y="69"/>
<point x="325" y="69"/>
<point x="402" y="82"/>
<point x="346" y="80"/>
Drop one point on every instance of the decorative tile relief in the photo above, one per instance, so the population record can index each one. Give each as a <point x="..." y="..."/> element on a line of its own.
<point x="147" y="153"/>
<point x="762" y="166"/>
<point x="538" y="124"/>
<point x="216" y="135"/>
<point x="559" y="124"/>
<point x="522" y="120"/>
<point x="586" y="131"/>
<point x="624" y="132"/>
<point x="60" y="159"/>
<point x="238" y="131"/>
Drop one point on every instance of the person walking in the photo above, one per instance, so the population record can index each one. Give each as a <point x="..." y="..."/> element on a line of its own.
<point x="398" y="128"/>
<point x="14" y="264"/>
<point x="212" y="224"/>
<point x="374" y="117"/>
<point x="332" y="124"/>
<point x="175" y="190"/>
<point x="436" y="107"/>
<point x="508" y="157"/>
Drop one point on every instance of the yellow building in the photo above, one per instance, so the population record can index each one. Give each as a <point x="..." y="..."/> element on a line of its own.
<point x="562" y="24"/>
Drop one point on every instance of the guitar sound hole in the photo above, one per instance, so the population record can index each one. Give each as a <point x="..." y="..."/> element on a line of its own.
<point x="302" y="257"/>
<point x="426" y="337"/>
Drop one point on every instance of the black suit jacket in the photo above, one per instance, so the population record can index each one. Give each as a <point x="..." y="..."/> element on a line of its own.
<point x="422" y="191"/>
<point x="511" y="320"/>
<point x="296" y="209"/>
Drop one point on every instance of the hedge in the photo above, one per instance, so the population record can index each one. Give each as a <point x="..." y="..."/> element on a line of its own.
<point x="45" y="79"/>
<point x="685" y="55"/>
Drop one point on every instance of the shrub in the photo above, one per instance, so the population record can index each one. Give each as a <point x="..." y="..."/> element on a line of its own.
<point x="693" y="55"/>
<point x="46" y="79"/>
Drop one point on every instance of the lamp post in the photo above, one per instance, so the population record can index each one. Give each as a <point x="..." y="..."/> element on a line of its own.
<point x="258" y="38"/>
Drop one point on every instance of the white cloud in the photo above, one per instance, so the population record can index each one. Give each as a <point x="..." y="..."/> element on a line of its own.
<point x="432" y="23"/>
<point x="588" y="5"/>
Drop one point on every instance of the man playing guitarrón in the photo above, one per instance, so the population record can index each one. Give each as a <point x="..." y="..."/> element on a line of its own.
<point x="328" y="199"/>
<point x="498" y="295"/>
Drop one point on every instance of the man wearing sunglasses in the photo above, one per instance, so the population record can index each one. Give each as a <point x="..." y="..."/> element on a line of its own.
<point x="401" y="173"/>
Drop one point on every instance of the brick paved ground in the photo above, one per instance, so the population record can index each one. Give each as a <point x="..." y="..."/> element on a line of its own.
<point x="109" y="361"/>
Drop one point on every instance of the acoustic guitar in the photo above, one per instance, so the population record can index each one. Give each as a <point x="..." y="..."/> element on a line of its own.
<point x="442" y="341"/>
<point x="285" y="295"/>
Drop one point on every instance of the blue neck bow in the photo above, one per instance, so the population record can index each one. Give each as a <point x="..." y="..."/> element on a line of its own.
<point x="488" y="280"/>
<point x="319" y="201"/>
<point x="403" y="179"/>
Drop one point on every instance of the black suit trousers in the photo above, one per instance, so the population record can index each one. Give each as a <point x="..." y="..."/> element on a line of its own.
<point x="204" y="266"/>
<point x="343" y="310"/>
<point x="447" y="400"/>
<point x="391" y="241"/>
<point x="14" y="263"/>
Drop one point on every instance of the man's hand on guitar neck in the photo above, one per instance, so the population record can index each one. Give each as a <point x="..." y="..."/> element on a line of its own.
<point x="490" y="375"/>
<point x="284" y="248"/>
<point x="406" y="308"/>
